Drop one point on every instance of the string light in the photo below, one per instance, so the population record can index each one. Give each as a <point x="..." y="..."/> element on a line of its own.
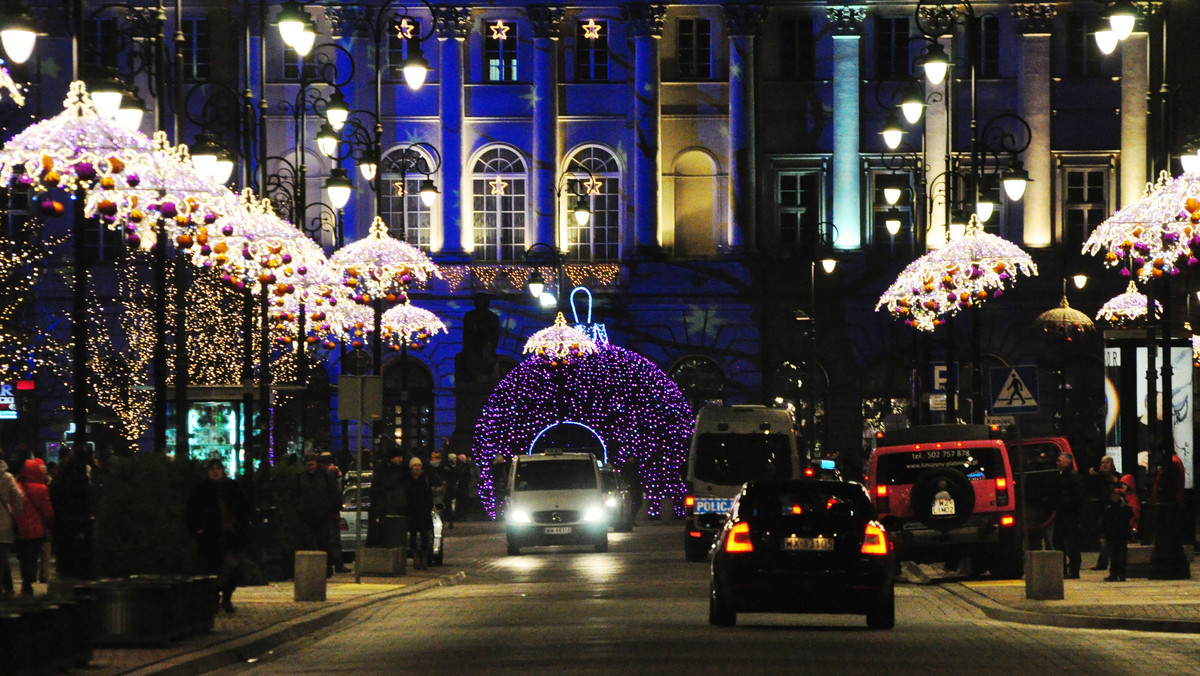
<point x="638" y="411"/>
<point x="1127" y="307"/>
<point x="560" y="344"/>
<point x="1148" y="238"/>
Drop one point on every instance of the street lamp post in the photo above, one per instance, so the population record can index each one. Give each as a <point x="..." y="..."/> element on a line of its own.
<point x="824" y="236"/>
<point x="546" y="254"/>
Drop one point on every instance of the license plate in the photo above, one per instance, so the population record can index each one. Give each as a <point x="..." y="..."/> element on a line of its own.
<point x="943" y="507"/>
<point x="557" y="530"/>
<point x="710" y="505"/>
<point x="808" y="544"/>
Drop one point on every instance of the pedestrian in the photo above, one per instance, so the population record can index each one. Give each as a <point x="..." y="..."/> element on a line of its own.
<point x="1067" y="507"/>
<point x="33" y="522"/>
<point x="419" y="511"/>
<point x="437" y="482"/>
<point x="465" y="480"/>
<point x="319" y="496"/>
<point x="1118" y="523"/>
<point x="1102" y="479"/>
<point x="387" y="500"/>
<point x="450" y="476"/>
<point x="218" y="515"/>
<point x="12" y="502"/>
<point x="72" y="494"/>
<point x="325" y="462"/>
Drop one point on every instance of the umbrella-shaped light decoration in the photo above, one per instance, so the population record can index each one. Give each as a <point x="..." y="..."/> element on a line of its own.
<point x="1127" y="307"/>
<point x="353" y="323"/>
<point x="959" y="275"/>
<point x="159" y="188"/>
<point x="1064" y="321"/>
<point x="70" y="150"/>
<point x="407" y="326"/>
<point x="560" y="343"/>
<point x="380" y="265"/>
<point x="1150" y="237"/>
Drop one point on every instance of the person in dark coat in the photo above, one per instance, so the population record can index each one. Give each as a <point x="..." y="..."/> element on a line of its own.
<point x="1118" y="523"/>
<point x="387" y="499"/>
<point x="71" y="494"/>
<point x="319" y="497"/>
<point x="218" y="516"/>
<point x="419" y="511"/>
<point x="1068" y="508"/>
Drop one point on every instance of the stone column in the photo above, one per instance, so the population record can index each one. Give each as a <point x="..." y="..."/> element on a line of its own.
<point x="645" y="25"/>
<point x="1135" y="85"/>
<point x="847" y="24"/>
<point x="453" y="25"/>
<point x="1030" y="219"/>
<point x="547" y="25"/>
<point x="742" y="22"/>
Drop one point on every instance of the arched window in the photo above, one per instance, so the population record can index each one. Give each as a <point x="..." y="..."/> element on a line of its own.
<point x="600" y="238"/>
<point x="407" y="217"/>
<point x="498" y="189"/>
<point x="700" y="379"/>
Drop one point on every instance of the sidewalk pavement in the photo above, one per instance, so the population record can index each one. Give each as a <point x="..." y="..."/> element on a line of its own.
<point x="267" y="616"/>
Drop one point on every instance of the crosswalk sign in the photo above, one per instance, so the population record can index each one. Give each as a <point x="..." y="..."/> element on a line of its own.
<point x="1014" y="389"/>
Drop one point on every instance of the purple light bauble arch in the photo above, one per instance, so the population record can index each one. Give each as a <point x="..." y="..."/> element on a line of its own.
<point x="638" y="412"/>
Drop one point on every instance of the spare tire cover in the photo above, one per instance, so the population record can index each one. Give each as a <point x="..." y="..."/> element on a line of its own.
<point x="930" y="484"/>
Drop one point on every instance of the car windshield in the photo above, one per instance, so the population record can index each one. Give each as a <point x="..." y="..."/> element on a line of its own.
<point x="555" y="475"/>
<point x="977" y="463"/>
<point x="824" y="500"/>
<point x="733" y="459"/>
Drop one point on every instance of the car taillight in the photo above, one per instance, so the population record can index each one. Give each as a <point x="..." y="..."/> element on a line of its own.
<point x="689" y="505"/>
<point x="875" y="540"/>
<point x="1001" y="491"/>
<point x="1007" y="520"/>
<point x="738" y="541"/>
<point x="808" y="471"/>
<point x="881" y="498"/>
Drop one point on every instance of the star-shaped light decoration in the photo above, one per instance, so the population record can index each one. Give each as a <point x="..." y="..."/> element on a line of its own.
<point x="498" y="186"/>
<point x="593" y="185"/>
<point x="1127" y="307"/>
<point x="407" y="326"/>
<point x="560" y="343"/>
<point x="404" y="29"/>
<point x="591" y="30"/>
<point x="70" y="150"/>
<point x="499" y="30"/>
<point x="380" y="265"/>
<point x="1149" y="238"/>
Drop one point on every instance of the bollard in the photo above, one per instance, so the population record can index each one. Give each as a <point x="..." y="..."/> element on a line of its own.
<point x="1044" y="575"/>
<point x="310" y="576"/>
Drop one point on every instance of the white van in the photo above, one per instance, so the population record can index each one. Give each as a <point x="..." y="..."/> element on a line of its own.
<point x="555" y="498"/>
<point x="730" y="446"/>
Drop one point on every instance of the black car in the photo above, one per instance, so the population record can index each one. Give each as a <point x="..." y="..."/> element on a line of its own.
<point x="803" y="546"/>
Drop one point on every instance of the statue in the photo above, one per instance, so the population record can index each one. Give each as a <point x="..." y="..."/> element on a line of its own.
<point x="481" y="335"/>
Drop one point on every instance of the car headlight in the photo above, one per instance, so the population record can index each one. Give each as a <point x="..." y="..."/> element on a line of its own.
<point x="610" y="502"/>
<point x="593" y="514"/>
<point x="519" y="516"/>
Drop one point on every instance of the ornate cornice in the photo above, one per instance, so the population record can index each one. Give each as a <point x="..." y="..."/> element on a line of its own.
<point x="546" y="21"/>
<point x="452" y="22"/>
<point x="645" y="19"/>
<point x="1035" y="17"/>
<point x="743" y="18"/>
<point x="846" y="19"/>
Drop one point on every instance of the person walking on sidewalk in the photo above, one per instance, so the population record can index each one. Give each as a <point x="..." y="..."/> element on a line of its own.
<point x="419" y="510"/>
<point x="12" y="501"/>
<point x="1068" y="505"/>
<point x="1117" y="521"/>
<point x="325" y="462"/>
<point x="319" y="497"/>
<point x="33" y="522"/>
<point x="1102" y="479"/>
<point x="217" y="517"/>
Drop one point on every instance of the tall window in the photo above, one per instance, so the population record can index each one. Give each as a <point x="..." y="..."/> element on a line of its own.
<point x="797" y="48"/>
<point x="798" y="194"/>
<point x="404" y="40"/>
<point x="1085" y="203"/>
<point x="195" y="52"/>
<point x="100" y="47"/>
<point x="891" y="47"/>
<point x="292" y="63"/>
<point x="1083" y="56"/>
<point x="498" y="189"/>
<point x="406" y="215"/>
<point x="984" y="45"/>
<point x="591" y="51"/>
<point x="694" y="49"/>
<point x="500" y="51"/>
<point x="598" y="182"/>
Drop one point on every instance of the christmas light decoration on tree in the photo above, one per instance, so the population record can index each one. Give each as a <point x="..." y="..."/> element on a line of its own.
<point x="28" y="349"/>
<point x="637" y="410"/>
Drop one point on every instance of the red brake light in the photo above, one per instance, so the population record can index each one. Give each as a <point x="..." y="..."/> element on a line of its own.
<point x="881" y="498"/>
<point x="1001" y="492"/>
<point x="881" y="491"/>
<point x="1007" y="520"/>
<point x="738" y="541"/>
<point x="808" y="471"/>
<point x="875" y="540"/>
<point x="1001" y="484"/>
<point x="797" y="509"/>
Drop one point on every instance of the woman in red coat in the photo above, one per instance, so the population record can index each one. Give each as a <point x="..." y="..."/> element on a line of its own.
<point x="32" y="522"/>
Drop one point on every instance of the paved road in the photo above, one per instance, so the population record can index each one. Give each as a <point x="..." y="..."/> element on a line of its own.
<point x="641" y="609"/>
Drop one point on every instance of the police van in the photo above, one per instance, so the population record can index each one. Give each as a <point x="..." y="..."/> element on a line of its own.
<point x="730" y="446"/>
